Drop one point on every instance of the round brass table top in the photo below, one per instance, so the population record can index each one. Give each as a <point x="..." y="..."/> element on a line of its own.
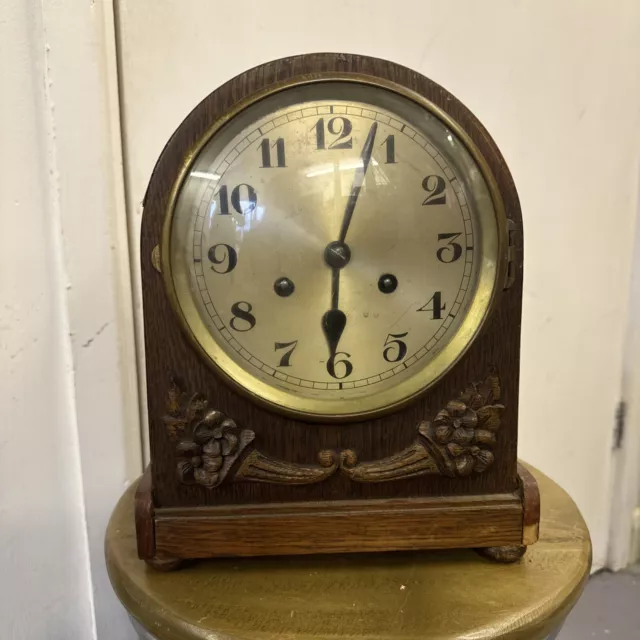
<point x="439" y="595"/>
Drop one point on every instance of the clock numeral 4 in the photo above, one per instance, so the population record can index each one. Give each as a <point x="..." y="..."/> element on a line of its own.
<point x="435" y="306"/>
<point x="435" y="186"/>
<point x="333" y="361"/>
<point x="337" y="126"/>
<point x="452" y="251"/>
<point x="285" y="361"/>
<point x="266" y="146"/>
<point x="243" y="319"/>
<point x="219" y="254"/>
<point x="239" y="202"/>
<point x="395" y="349"/>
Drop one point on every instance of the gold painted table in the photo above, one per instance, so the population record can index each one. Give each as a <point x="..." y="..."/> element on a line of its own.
<point x="441" y="595"/>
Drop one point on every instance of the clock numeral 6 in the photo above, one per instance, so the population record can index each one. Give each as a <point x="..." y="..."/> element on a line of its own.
<point x="338" y="126"/>
<point x="437" y="308"/>
<point x="333" y="361"/>
<point x="435" y="186"/>
<point x="285" y="361"/>
<point x="240" y="204"/>
<point x="219" y="254"/>
<point x="242" y="317"/>
<point x="392" y="343"/>
<point x="452" y="251"/>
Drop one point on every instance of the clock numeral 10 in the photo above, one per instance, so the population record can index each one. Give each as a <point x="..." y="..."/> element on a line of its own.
<point x="396" y="349"/>
<point x="435" y="306"/>
<point x="337" y="126"/>
<point x="240" y="204"/>
<point x="243" y="320"/>
<point x="265" y="147"/>
<point x="285" y="361"/>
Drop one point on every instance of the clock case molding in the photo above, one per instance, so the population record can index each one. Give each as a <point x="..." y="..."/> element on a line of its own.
<point x="231" y="477"/>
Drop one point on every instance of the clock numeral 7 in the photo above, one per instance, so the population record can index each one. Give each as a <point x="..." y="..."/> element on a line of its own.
<point x="390" y="354"/>
<point x="240" y="204"/>
<point x="265" y="147"/>
<point x="285" y="361"/>
<point x="337" y="126"/>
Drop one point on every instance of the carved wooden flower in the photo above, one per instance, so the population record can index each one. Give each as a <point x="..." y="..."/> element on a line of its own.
<point x="467" y="428"/>
<point x="201" y="458"/>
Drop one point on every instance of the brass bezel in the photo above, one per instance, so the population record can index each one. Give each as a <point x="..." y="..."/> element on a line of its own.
<point x="284" y="401"/>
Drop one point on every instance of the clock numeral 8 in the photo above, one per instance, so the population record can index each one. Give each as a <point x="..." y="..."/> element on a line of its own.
<point x="333" y="361"/>
<point x="242" y="317"/>
<point x="390" y="354"/>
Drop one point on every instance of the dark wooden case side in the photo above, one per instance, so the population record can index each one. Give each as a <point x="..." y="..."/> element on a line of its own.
<point x="168" y="352"/>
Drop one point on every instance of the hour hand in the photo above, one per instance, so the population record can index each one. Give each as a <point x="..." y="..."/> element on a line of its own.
<point x="333" y="324"/>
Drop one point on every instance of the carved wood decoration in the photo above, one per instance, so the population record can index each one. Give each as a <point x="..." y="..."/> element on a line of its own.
<point x="211" y="448"/>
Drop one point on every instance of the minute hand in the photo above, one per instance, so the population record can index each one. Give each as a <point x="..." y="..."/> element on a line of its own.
<point x="365" y="156"/>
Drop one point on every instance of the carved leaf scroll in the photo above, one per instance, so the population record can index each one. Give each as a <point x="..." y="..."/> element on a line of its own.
<point x="212" y="449"/>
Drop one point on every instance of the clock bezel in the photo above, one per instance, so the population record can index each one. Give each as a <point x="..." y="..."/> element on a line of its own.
<point x="305" y="408"/>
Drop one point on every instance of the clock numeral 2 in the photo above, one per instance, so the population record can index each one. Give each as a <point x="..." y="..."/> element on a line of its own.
<point x="437" y="308"/>
<point x="435" y="186"/>
<point x="390" y="354"/>
<point x="242" y="317"/>
<point x="333" y="361"/>
<point x="338" y="126"/>
<point x="242" y="206"/>
<point x="265" y="147"/>
<point x="285" y="361"/>
<point x="227" y="254"/>
<point x="452" y="251"/>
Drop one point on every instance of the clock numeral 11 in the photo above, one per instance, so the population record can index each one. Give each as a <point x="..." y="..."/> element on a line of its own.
<point x="266" y="146"/>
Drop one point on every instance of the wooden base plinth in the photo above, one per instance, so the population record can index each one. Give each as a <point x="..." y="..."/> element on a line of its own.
<point x="487" y="521"/>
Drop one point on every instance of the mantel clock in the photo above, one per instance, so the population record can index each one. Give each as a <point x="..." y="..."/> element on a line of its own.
<point x="332" y="281"/>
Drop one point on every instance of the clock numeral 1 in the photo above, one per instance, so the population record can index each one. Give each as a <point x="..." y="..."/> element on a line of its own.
<point x="452" y="251"/>
<point x="243" y="319"/>
<point x="338" y="126"/>
<point x="240" y="204"/>
<point x="285" y="361"/>
<point x="265" y="147"/>
<point x="332" y="362"/>
<point x="226" y="253"/>
<point x="435" y="186"/>
<point x="437" y="308"/>
<point x="390" y="143"/>
<point x="390" y="354"/>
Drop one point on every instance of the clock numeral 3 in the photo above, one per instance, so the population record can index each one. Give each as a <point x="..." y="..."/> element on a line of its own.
<point x="265" y="147"/>
<point x="435" y="185"/>
<point x="240" y="204"/>
<point x="437" y="308"/>
<point x="285" y="361"/>
<point x="452" y="251"/>
<point x="242" y="317"/>
<point x="227" y="254"/>
<point x="390" y="354"/>
<point x="338" y="126"/>
<point x="390" y="143"/>
<point x="333" y="361"/>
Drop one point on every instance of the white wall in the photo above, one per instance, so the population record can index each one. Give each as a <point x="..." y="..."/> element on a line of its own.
<point x="69" y="435"/>
<point x="558" y="86"/>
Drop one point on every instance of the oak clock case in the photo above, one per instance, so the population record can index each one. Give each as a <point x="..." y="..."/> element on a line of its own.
<point x="332" y="346"/>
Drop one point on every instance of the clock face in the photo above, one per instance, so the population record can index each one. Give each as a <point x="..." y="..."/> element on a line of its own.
<point x="333" y="249"/>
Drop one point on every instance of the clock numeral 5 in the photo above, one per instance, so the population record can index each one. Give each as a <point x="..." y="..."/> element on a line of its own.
<point x="452" y="251"/>
<point x="437" y="308"/>
<point x="286" y="358"/>
<point x="265" y="147"/>
<point x="337" y="126"/>
<point x="435" y="186"/>
<point x="240" y="204"/>
<point x="226" y="254"/>
<point x="243" y="319"/>
<point x="333" y="361"/>
<point x="390" y="354"/>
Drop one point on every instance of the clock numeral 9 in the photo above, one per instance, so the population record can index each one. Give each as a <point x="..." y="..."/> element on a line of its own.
<point x="437" y="308"/>
<point x="435" y="186"/>
<point x="285" y="361"/>
<point x="333" y="361"/>
<point x="338" y="126"/>
<point x="226" y="253"/>
<point x="390" y="354"/>
<point x="452" y="251"/>
<point x="242" y="206"/>
<point x="243" y="319"/>
<point x="265" y="148"/>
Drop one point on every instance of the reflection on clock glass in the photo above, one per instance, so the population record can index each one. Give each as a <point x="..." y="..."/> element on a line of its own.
<point x="329" y="243"/>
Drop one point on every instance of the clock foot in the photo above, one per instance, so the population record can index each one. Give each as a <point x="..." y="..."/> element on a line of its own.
<point x="166" y="564"/>
<point x="503" y="555"/>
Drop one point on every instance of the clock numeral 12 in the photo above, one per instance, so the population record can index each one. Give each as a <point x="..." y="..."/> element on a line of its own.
<point x="242" y="206"/>
<point x="437" y="308"/>
<point x="285" y="361"/>
<point x="265" y="147"/>
<point x="338" y="126"/>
